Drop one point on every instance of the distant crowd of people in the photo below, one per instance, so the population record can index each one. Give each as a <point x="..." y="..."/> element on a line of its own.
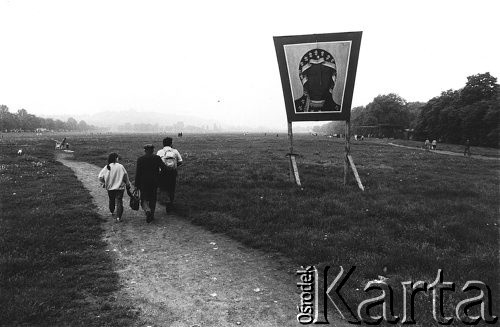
<point x="153" y="172"/>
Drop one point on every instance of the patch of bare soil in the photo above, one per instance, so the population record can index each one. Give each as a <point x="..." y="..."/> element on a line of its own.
<point x="178" y="274"/>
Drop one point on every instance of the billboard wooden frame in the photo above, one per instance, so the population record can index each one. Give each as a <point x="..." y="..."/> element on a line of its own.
<point x="280" y="42"/>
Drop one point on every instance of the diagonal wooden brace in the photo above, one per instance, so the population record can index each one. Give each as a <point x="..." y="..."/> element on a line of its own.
<point x="294" y="171"/>
<point x="355" y="171"/>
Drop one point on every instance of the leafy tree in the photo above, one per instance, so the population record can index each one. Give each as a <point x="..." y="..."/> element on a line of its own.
<point x="491" y="124"/>
<point x="450" y="125"/>
<point x="386" y="115"/>
<point x="430" y="123"/>
<point x="3" y="110"/>
<point x="414" y="109"/>
<point x="470" y="113"/>
<point x="7" y="119"/>
<point x="82" y="126"/>
<point x="358" y="115"/>
<point x="334" y="127"/>
<point x="479" y="87"/>
<point x="22" y="120"/>
<point x="389" y="110"/>
<point x="26" y="121"/>
<point x="49" y="124"/>
<point x="72" y="124"/>
<point x="59" y="125"/>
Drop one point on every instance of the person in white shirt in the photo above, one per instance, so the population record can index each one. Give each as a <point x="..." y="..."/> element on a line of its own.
<point x="114" y="179"/>
<point x="427" y="145"/>
<point x="172" y="159"/>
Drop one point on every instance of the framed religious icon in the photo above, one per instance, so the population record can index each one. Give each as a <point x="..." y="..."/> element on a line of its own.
<point x="317" y="74"/>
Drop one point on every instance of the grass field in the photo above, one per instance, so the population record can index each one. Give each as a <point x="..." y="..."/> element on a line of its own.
<point x="53" y="267"/>
<point x="420" y="212"/>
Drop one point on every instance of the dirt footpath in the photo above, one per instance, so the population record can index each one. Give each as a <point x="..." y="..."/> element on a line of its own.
<point x="178" y="274"/>
<point x="456" y="154"/>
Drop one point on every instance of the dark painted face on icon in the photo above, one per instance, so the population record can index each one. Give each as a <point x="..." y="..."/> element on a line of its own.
<point x="319" y="82"/>
<point x="318" y="72"/>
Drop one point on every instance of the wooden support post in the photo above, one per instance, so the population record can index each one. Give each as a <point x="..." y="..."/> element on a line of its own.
<point x="347" y="149"/>
<point x="293" y="170"/>
<point x="349" y="162"/>
<point x="355" y="171"/>
<point x="290" y="137"/>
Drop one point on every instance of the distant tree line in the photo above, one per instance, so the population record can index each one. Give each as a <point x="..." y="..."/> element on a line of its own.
<point x="24" y="121"/>
<point x="386" y="116"/>
<point x="177" y="127"/>
<point x="472" y="112"/>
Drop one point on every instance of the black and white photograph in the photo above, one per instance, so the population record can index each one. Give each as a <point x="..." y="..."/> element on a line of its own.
<point x="249" y="163"/>
<point x="318" y="74"/>
<point x="321" y="78"/>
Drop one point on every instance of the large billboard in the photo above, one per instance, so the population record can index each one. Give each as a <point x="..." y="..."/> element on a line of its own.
<point x="317" y="74"/>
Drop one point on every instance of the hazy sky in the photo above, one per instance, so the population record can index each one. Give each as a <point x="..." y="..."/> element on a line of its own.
<point x="216" y="59"/>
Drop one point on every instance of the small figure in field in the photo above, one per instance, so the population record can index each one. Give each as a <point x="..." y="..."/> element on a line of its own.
<point x="114" y="179"/>
<point x="172" y="159"/>
<point x="434" y="144"/>
<point x="427" y="145"/>
<point x="147" y="177"/>
<point x="467" y="148"/>
<point x="60" y="144"/>
<point x="20" y="152"/>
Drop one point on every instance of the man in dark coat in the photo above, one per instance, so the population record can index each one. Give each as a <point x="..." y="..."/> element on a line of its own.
<point x="147" y="177"/>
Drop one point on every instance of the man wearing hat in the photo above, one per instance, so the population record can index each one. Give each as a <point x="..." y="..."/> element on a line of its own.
<point x="147" y="177"/>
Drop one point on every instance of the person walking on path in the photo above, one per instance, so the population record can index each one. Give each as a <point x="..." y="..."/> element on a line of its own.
<point x="147" y="177"/>
<point x="427" y="145"/>
<point x="114" y="179"/>
<point x="467" y="148"/>
<point x="434" y="144"/>
<point x="172" y="159"/>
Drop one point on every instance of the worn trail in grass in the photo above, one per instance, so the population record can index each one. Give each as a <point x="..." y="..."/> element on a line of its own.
<point x="179" y="274"/>
<point x="450" y="153"/>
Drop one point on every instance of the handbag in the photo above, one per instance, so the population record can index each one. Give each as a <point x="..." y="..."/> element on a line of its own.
<point x="134" y="199"/>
